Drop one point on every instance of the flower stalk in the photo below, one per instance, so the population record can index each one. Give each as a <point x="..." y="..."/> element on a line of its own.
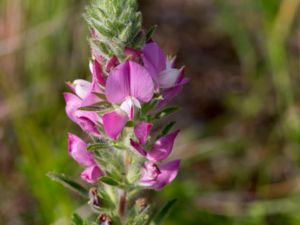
<point x="132" y="83"/>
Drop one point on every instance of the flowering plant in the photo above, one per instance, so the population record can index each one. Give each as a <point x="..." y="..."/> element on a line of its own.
<point x="132" y="82"/>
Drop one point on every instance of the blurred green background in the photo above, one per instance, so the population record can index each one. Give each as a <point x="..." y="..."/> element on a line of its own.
<point x="240" y="112"/>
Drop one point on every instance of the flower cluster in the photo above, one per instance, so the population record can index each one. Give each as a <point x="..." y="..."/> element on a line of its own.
<point x="118" y="108"/>
<point x="132" y="83"/>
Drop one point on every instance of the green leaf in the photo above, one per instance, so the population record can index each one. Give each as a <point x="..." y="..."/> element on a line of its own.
<point x="150" y="32"/>
<point x="167" y="128"/>
<point x="97" y="107"/>
<point x="109" y="181"/>
<point x="166" y="112"/>
<point x="69" y="183"/>
<point x="164" y="212"/>
<point x="97" y="146"/>
<point x="77" y="220"/>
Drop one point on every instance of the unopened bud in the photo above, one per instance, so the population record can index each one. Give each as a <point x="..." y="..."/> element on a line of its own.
<point x="105" y="220"/>
<point x="141" y="204"/>
<point x="94" y="198"/>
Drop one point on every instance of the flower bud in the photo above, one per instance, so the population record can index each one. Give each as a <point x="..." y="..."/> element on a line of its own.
<point x="105" y="220"/>
<point x="94" y="198"/>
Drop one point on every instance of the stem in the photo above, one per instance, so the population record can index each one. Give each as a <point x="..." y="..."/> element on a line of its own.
<point x="122" y="204"/>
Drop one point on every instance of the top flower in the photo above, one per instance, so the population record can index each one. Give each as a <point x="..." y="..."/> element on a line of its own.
<point x="129" y="84"/>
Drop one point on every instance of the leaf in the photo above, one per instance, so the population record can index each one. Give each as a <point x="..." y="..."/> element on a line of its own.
<point x="77" y="220"/>
<point x="168" y="127"/>
<point x="110" y="181"/>
<point x="150" y="32"/>
<point x="99" y="95"/>
<point x="67" y="182"/>
<point x="164" y="212"/>
<point x="96" y="107"/>
<point x="96" y="146"/>
<point x="166" y="112"/>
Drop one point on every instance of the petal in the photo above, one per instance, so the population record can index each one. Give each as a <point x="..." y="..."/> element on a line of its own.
<point x="141" y="84"/>
<point x="82" y="87"/>
<point x="154" y="60"/>
<point x="118" y="84"/>
<point x="91" y="174"/>
<point x="168" y="174"/>
<point x="96" y="71"/>
<point x="78" y="151"/>
<point x="142" y="131"/>
<point x="72" y="104"/>
<point x="128" y="107"/>
<point x="136" y="146"/>
<point x="171" y="62"/>
<point x="168" y="78"/>
<point x="162" y="148"/>
<point x="88" y="126"/>
<point x="114" y="122"/>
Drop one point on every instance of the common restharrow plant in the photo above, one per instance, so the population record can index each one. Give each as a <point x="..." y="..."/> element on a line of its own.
<point x="132" y="83"/>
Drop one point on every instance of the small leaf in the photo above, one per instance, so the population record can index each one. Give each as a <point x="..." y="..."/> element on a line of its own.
<point x="130" y="124"/>
<point x="96" y="107"/>
<point x="110" y="181"/>
<point x="77" y="220"/>
<point x="96" y="146"/>
<point x="168" y="127"/>
<point x="164" y="212"/>
<point x="166" y="112"/>
<point x="67" y="182"/>
<point x="102" y="96"/>
<point x="148" y="106"/>
<point x="150" y="32"/>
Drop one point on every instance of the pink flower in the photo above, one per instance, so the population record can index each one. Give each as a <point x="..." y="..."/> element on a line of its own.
<point x="159" y="66"/>
<point x="156" y="177"/>
<point x="114" y="122"/>
<point x="142" y="130"/>
<point x="91" y="174"/>
<point x="129" y="84"/>
<point x="160" y="150"/>
<point x="78" y="151"/>
<point x="87" y="120"/>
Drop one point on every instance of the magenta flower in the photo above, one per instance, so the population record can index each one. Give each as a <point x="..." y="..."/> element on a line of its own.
<point x="78" y="151"/>
<point x="87" y="120"/>
<point x="156" y="177"/>
<point x="159" y="66"/>
<point x="142" y="130"/>
<point x="160" y="150"/>
<point x="114" y="122"/>
<point x="91" y="174"/>
<point x="129" y="84"/>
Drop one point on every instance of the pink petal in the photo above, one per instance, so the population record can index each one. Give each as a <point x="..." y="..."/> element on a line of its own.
<point x="96" y="71"/>
<point x="142" y="131"/>
<point x="168" y="174"/>
<point x="72" y="104"/>
<point x="88" y="126"/>
<point x="78" y="151"/>
<point x="141" y="84"/>
<point x="118" y="84"/>
<point x="129" y="79"/>
<point x="114" y="122"/>
<point x="82" y="88"/>
<point x="162" y="148"/>
<point x="85" y="119"/>
<point x="168" y="78"/>
<point x="91" y="174"/>
<point x="154" y="60"/>
<point x="136" y="146"/>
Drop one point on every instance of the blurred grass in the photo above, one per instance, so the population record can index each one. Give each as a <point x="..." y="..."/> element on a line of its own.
<point x="241" y="165"/>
